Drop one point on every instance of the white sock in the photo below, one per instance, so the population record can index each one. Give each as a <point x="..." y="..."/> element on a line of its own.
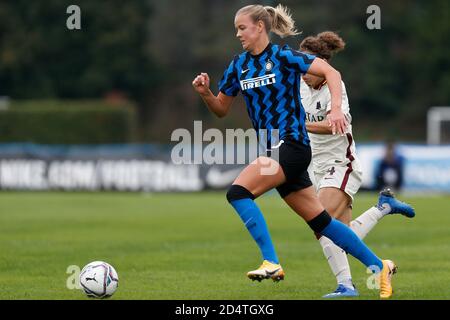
<point x="366" y="221"/>
<point x="337" y="259"/>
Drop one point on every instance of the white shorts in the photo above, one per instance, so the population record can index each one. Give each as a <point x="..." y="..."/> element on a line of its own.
<point x="344" y="178"/>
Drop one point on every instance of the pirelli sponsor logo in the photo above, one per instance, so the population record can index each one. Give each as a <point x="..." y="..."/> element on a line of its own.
<point x="258" y="82"/>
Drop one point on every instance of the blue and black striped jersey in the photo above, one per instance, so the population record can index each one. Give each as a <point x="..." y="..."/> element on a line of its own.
<point x="270" y="84"/>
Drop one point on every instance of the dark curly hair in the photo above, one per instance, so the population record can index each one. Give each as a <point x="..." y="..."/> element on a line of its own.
<point x="323" y="45"/>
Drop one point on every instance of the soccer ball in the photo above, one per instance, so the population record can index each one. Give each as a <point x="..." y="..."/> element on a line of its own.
<point x="99" y="280"/>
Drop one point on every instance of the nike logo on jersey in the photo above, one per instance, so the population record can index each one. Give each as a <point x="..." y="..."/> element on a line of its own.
<point x="244" y="71"/>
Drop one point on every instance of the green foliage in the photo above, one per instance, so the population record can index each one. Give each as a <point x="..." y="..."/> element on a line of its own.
<point x="67" y="122"/>
<point x="41" y="58"/>
<point x="151" y="50"/>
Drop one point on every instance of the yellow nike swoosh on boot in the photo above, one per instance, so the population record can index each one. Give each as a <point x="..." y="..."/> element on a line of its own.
<point x="266" y="271"/>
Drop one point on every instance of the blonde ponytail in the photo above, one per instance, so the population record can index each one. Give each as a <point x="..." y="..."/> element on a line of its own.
<point x="278" y="20"/>
<point x="282" y="22"/>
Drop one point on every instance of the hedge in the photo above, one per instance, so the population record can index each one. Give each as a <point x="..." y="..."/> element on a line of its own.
<point x="67" y="122"/>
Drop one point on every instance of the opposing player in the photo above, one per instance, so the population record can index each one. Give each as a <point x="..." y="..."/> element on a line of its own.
<point x="336" y="168"/>
<point x="268" y="76"/>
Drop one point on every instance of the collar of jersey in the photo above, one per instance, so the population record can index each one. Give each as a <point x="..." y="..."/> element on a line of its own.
<point x="269" y="47"/>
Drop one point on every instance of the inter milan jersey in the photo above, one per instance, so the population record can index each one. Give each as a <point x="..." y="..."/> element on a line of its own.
<point x="270" y="84"/>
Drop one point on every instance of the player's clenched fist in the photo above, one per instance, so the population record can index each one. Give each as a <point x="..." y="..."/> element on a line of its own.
<point x="201" y="83"/>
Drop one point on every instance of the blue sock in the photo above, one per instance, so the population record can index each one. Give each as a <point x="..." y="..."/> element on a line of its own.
<point x="345" y="238"/>
<point x="256" y="225"/>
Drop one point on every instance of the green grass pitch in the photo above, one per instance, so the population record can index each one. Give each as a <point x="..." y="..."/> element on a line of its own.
<point x="193" y="246"/>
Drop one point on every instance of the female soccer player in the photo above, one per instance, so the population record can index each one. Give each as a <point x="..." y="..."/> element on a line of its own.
<point x="336" y="167"/>
<point x="268" y="76"/>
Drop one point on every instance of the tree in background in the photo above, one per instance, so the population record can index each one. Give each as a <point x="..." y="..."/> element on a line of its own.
<point x="41" y="58"/>
<point x="150" y="50"/>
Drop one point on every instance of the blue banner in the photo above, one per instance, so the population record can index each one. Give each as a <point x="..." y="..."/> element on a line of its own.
<point x="425" y="168"/>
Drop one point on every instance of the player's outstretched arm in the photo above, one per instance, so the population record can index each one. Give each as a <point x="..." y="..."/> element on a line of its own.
<point x="336" y="117"/>
<point x="219" y="105"/>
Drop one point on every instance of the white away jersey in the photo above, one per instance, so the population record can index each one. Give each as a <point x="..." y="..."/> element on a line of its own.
<point x="328" y="150"/>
